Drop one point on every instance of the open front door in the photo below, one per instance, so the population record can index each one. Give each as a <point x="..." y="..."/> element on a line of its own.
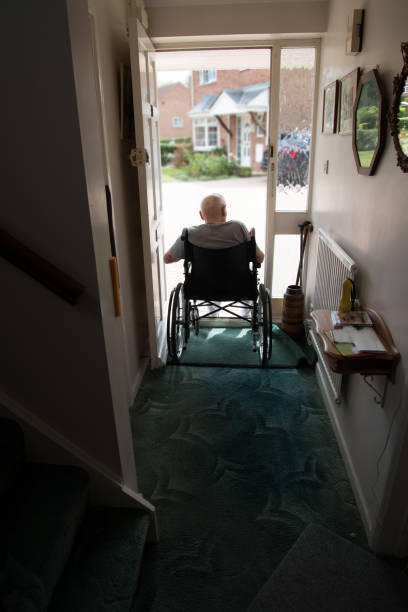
<point x="146" y="157"/>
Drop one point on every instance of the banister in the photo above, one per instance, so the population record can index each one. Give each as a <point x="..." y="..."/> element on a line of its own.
<point x="39" y="268"/>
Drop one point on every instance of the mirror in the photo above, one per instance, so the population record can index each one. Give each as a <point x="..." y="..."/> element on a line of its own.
<point x="398" y="114"/>
<point x="368" y="123"/>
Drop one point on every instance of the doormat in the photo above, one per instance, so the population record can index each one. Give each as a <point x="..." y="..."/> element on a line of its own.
<point x="221" y="346"/>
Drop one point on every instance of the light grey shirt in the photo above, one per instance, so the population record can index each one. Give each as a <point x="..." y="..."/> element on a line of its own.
<point x="213" y="236"/>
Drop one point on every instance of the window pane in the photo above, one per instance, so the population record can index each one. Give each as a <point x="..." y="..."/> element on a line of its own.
<point x="200" y="136"/>
<point x="295" y="124"/>
<point x="285" y="263"/>
<point x="212" y="136"/>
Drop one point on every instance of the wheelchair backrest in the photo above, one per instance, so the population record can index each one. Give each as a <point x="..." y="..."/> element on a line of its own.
<point x="220" y="274"/>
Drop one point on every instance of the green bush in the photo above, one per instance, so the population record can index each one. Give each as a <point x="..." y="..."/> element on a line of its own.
<point x="214" y="165"/>
<point x="200" y="165"/>
<point x="166" y="152"/>
<point x="366" y="140"/>
<point x="244" y="171"/>
<point x="367" y="117"/>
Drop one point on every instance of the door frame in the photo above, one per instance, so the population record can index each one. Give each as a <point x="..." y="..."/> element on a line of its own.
<point x="276" y="222"/>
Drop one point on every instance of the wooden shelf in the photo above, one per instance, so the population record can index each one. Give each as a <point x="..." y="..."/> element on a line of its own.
<point x="367" y="364"/>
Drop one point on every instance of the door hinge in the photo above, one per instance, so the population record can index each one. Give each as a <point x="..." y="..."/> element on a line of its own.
<point x="138" y="157"/>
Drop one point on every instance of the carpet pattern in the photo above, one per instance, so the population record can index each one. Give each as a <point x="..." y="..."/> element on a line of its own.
<point x="232" y="347"/>
<point x="237" y="462"/>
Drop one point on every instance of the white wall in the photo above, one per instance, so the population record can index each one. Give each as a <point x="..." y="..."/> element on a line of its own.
<point x="221" y="19"/>
<point x="368" y="217"/>
<point x="53" y="359"/>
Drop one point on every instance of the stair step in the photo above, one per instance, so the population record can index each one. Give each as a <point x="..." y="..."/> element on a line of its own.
<point x="12" y="452"/>
<point x="41" y="515"/>
<point x="103" y="569"/>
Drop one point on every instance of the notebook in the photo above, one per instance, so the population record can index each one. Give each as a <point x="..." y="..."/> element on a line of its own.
<point x="364" y="339"/>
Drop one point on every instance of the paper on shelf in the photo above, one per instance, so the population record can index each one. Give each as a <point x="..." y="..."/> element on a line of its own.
<point x="364" y="339"/>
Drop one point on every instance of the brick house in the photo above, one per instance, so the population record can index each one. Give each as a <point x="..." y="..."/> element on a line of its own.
<point x="230" y="111"/>
<point x="174" y="104"/>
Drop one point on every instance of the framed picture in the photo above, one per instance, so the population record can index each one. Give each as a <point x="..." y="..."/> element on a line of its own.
<point x="330" y="98"/>
<point x="347" y="95"/>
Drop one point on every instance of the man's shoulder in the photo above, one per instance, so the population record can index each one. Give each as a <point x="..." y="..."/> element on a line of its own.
<point x="237" y="223"/>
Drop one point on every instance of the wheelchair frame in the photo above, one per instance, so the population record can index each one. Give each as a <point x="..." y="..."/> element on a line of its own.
<point x="185" y="299"/>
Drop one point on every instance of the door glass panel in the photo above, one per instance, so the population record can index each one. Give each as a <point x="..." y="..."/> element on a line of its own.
<point x="297" y="77"/>
<point x="285" y="263"/>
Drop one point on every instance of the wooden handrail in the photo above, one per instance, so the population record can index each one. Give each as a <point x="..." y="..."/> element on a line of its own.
<point x="39" y="268"/>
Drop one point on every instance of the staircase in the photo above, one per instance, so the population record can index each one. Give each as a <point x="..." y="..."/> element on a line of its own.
<point x="58" y="553"/>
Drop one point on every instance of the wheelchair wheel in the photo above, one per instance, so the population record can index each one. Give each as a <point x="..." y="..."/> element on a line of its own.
<point x="265" y="325"/>
<point x="195" y="324"/>
<point x="176" y="323"/>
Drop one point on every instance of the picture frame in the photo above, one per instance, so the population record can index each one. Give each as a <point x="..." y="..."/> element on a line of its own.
<point x="330" y="101"/>
<point x="347" y="94"/>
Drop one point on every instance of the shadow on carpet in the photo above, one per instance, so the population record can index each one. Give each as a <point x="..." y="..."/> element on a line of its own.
<point x="232" y="347"/>
<point x="237" y="463"/>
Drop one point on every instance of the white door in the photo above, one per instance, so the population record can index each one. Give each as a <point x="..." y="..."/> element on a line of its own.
<point x="143" y="67"/>
<point x="287" y="207"/>
<point x="246" y="128"/>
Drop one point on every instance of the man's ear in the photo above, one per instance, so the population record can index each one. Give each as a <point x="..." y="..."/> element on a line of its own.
<point x="201" y="215"/>
<point x="224" y="210"/>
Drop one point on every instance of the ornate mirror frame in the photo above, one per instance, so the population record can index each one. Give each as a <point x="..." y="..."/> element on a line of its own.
<point x="399" y="83"/>
<point x="371" y="75"/>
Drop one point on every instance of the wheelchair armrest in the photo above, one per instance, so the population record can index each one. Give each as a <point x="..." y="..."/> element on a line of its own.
<point x="252" y="234"/>
<point x="184" y="234"/>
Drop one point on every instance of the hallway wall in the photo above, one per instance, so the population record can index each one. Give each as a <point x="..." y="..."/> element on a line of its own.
<point x="53" y="359"/>
<point x="368" y="217"/>
<point x="211" y="18"/>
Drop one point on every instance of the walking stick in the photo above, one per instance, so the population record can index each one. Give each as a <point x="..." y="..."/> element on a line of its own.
<point x="305" y="228"/>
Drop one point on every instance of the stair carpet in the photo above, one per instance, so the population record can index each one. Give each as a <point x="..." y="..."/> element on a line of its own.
<point x="57" y="553"/>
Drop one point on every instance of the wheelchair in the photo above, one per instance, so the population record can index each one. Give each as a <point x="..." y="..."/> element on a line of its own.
<point x="219" y="275"/>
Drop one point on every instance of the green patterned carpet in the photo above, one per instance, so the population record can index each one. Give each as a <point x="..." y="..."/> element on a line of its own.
<point x="220" y="346"/>
<point x="237" y="462"/>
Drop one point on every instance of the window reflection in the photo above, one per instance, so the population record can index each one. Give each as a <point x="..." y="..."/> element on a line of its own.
<point x="367" y="122"/>
<point x="403" y="119"/>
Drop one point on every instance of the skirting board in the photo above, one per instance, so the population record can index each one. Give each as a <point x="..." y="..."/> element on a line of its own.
<point x="332" y="409"/>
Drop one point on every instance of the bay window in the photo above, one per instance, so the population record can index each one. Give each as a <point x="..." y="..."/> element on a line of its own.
<point x="206" y="134"/>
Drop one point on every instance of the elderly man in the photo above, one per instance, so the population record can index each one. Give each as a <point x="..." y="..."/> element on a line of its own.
<point x="215" y="233"/>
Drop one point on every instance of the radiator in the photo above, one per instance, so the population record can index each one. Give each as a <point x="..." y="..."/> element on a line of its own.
<point x="332" y="268"/>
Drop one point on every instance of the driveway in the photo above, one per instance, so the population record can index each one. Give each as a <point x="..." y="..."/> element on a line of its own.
<point x="245" y="197"/>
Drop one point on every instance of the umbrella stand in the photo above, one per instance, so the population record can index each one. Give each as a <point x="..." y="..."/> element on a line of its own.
<point x="293" y="300"/>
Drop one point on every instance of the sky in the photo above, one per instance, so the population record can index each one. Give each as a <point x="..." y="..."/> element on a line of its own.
<point x="172" y="76"/>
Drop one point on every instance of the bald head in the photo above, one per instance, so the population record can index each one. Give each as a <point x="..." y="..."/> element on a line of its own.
<point x="213" y="209"/>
